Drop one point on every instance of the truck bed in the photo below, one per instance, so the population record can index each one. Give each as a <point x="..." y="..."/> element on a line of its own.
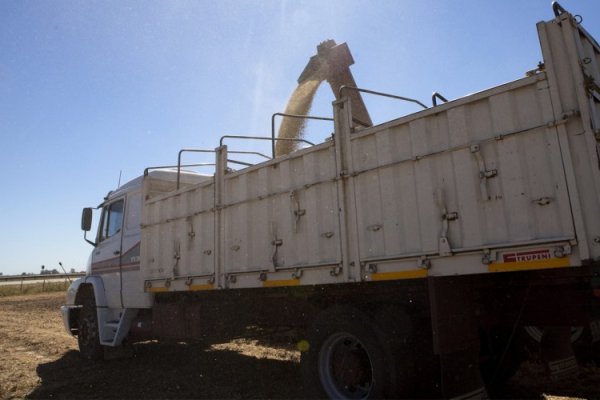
<point x="507" y="179"/>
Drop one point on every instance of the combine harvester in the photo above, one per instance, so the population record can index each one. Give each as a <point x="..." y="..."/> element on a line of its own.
<point x="410" y="255"/>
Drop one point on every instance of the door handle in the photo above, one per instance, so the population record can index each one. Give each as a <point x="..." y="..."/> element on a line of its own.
<point x="116" y="252"/>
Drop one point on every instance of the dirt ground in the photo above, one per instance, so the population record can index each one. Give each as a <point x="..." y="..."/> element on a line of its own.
<point x="39" y="360"/>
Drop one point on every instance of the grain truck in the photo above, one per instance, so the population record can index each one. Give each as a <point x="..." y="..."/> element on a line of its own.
<point x="409" y="256"/>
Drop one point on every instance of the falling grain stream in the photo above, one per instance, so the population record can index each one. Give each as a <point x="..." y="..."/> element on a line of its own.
<point x="299" y="104"/>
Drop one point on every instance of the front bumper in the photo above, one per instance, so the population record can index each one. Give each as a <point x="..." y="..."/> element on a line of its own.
<point x="66" y="312"/>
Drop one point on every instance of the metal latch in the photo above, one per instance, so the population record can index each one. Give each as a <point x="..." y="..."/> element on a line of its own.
<point x="276" y="242"/>
<point x="543" y="201"/>
<point x="298" y="212"/>
<point x="484" y="174"/>
<point x="191" y="233"/>
<point x="374" y="227"/>
<point x="444" y="244"/>
<point x="451" y="216"/>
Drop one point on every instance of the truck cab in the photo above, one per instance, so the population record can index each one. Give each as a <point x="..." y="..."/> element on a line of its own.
<point x="116" y="254"/>
<point x="113" y="285"/>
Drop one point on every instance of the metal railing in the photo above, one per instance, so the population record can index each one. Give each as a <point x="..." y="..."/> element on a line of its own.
<point x="392" y="96"/>
<point x="274" y="139"/>
<point x="24" y="280"/>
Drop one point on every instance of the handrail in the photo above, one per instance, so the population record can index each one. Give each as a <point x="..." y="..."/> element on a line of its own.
<point x="206" y="164"/>
<point x="344" y="87"/>
<point x="290" y="116"/>
<point x="245" y="164"/>
<point x="147" y="170"/>
<point x="262" y="138"/>
<point x="436" y="96"/>
<point x="179" y="160"/>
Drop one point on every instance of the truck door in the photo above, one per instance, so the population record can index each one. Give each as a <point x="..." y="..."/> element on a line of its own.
<point x="106" y="259"/>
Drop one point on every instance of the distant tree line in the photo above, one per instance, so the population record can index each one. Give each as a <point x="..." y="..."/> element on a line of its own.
<point x="45" y="271"/>
<point x="49" y="272"/>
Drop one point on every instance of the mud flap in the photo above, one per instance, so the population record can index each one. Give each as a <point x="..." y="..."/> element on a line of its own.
<point x="456" y="337"/>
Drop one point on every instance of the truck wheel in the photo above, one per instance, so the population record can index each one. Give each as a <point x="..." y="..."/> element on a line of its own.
<point x="580" y="340"/>
<point x="88" y="336"/>
<point x="347" y="357"/>
<point x="535" y="333"/>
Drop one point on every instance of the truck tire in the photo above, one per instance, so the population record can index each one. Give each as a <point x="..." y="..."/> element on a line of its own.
<point x="88" y="337"/>
<point x="348" y="357"/>
<point x="585" y="341"/>
<point x="580" y="340"/>
<point x="535" y="333"/>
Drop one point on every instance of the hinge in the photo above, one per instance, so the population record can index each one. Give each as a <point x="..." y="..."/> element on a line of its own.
<point x="564" y="117"/>
<point x="562" y="251"/>
<point x="424" y="263"/>
<point x="489" y="256"/>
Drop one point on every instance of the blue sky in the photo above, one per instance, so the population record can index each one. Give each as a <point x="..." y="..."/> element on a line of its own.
<point x="92" y="88"/>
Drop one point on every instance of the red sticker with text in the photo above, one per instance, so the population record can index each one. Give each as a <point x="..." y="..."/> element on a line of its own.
<point x="524" y="256"/>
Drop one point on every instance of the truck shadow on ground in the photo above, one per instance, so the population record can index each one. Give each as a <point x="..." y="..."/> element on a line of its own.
<point x="183" y="371"/>
<point x="169" y="371"/>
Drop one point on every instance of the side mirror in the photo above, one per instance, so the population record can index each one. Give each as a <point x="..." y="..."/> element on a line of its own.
<point x="86" y="219"/>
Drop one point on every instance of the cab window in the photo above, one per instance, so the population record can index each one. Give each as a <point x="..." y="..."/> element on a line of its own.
<point x="112" y="220"/>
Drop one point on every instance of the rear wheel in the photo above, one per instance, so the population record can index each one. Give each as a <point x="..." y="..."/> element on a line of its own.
<point x="348" y="357"/>
<point x="345" y="367"/>
<point x="584" y="339"/>
<point x="88" y="337"/>
<point x="535" y="333"/>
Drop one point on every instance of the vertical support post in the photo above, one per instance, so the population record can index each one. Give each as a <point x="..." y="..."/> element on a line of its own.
<point x="556" y="69"/>
<point x="342" y="114"/>
<point x="219" y="228"/>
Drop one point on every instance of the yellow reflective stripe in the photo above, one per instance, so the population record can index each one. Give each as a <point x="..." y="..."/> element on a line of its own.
<point x="283" y="282"/>
<point x="390" y="276"/>
<point x="525" y="265"/>
<point x="207" y="286"/>
<point x="157" y="289"/>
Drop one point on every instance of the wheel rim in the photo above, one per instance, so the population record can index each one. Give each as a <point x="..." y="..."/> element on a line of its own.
<point x="536" y="333"/>
<point x="345" y="369"/>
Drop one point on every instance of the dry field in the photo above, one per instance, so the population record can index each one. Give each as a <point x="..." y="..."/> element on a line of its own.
<point x="39" y="360"/>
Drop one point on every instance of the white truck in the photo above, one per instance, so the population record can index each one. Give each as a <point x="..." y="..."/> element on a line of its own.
<point x="409" y="255"/>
